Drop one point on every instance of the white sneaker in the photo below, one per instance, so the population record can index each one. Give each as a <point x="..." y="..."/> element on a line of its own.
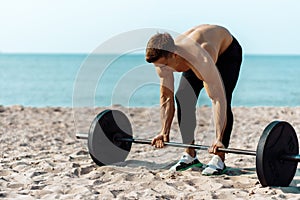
<point x="186" y="162"/>
<point x="215" y="167"/>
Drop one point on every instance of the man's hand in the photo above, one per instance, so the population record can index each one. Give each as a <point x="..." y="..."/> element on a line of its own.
<point x="214" y="147"/>
<point x="158" y="141"/>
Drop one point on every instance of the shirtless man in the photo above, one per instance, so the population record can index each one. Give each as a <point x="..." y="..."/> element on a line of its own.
<point x="208" y="56"/>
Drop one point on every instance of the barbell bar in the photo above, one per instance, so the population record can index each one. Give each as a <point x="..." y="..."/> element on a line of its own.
<point x="175" y="144"/>
<point x="110" y="139"/>
<point x="195" y="146"/>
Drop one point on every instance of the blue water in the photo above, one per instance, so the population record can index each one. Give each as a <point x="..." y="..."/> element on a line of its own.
<point x="68" y="80"/>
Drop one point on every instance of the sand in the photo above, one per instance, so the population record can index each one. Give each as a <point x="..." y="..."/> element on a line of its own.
<point x="42" y="159"/>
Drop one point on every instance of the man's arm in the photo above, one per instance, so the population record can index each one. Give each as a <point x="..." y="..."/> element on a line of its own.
<point x="167" y="107"/>
<point x="204" y="67"/>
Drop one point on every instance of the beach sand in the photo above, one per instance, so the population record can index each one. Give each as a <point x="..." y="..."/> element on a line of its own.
<point x="42" y="159"/>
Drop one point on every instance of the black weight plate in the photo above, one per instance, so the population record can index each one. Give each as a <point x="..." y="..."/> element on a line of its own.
<point x="278" y="138"/>
<point x="102" y="144"/>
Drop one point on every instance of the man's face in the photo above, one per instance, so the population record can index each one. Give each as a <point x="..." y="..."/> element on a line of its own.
<point x="165" y="63"/>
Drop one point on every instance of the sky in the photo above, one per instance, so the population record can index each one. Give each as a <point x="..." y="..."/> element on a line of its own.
<point x="78" y="26"/>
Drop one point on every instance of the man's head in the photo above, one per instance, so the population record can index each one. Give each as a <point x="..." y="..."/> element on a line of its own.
<point x="161" y="45"/>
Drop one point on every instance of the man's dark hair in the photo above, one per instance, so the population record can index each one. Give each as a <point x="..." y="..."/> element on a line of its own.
<point x="159" y="45"/>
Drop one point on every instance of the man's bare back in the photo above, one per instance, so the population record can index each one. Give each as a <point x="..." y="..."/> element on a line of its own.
<point x="214" y="39"/>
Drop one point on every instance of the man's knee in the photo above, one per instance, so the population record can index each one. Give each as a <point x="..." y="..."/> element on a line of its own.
<point x="185" y="99"/>
<point x="179" y="95"/>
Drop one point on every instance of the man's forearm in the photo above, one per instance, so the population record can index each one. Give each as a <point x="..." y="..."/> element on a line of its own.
<point x="167" y="110"/>
<point x="220" y="117"/>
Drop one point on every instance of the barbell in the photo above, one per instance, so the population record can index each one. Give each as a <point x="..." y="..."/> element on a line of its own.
<point x="110" y="139"/>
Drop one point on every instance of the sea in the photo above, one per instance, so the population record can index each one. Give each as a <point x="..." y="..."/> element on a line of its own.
<point x="76" y="80"/>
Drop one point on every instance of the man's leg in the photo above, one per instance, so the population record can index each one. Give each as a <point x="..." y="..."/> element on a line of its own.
<point x="186" y="100"/>
<point x="229" y="68"/>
